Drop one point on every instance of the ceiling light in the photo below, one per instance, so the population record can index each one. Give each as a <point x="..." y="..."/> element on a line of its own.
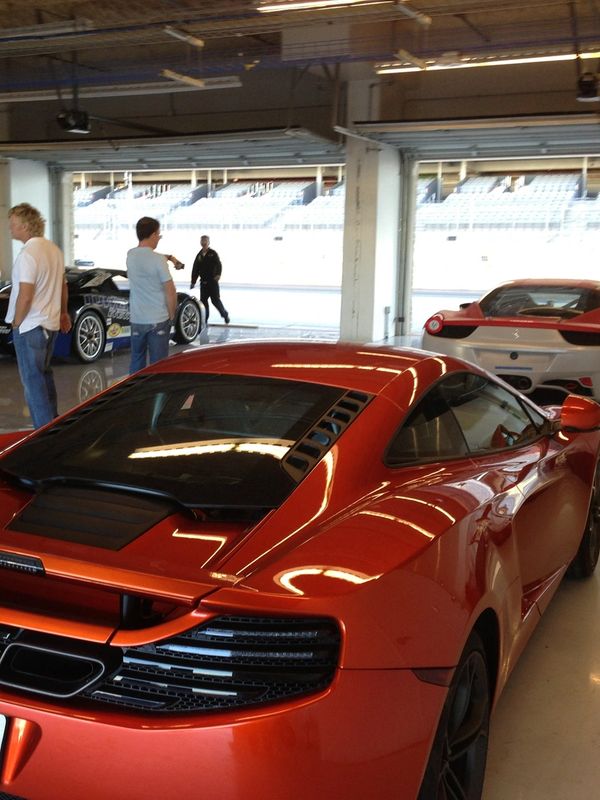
<point x="226" y="82"/>
<point x="184" y="36"/>
<point x="45" y="30"/>
<point x="467" y="62"/>
<point x="198" y="83"/>
<point x="405" y="57"/>
<point x="422" y="19"/>
<point x="122" y="90"/>
<point x="303" y="5"/>
<point x="587" y="88"/>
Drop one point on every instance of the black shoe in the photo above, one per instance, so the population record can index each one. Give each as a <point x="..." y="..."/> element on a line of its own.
<point x="226" y="318"/>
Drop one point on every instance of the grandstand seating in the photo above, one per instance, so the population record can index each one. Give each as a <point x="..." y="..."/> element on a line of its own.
<point x="540" y="202"/>
<point x="544" y="201"/>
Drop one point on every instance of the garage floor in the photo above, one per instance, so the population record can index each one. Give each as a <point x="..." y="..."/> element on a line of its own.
<point x="546" y="728"/>
<point x="545" y="732"/>
<point x="76" y="382"/>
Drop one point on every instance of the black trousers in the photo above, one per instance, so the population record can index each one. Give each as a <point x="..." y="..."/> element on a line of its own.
<point x="209" y="290"/>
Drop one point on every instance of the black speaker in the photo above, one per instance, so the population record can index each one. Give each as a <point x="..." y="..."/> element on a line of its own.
<point x="74" y="121"/>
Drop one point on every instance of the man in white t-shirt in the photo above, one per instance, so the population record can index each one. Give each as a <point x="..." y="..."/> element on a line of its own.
<point x="152" y="296"/>
<point x="37" y="309"/>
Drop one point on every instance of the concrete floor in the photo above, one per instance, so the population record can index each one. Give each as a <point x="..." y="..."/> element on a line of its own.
<point x="76" y="382"/>
<point x="545" y="732"/>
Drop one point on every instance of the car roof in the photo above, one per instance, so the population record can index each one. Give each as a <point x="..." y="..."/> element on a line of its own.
<point x="574" y="283"/>
<point x="368" y="368"/>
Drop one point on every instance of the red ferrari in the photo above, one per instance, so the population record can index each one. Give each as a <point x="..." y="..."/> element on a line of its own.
<point x="538" y="335"/>
<point x="290" y="570"/>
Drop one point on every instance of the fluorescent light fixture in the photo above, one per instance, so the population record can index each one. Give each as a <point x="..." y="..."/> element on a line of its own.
<point x="47" y="29"/>
<point x="226" y="82"/>
<point x="122" y="90"/>
<point x="419" y="17"/>
<point x="197" y="83"/>
<point x="304" y="5"/>
<point x="467" y="62"/>
<point x="184" y="36"/>
<point x="404" y="56"/>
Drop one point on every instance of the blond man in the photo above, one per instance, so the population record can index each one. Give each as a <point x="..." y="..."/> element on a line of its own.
<point x="37" y="309"/>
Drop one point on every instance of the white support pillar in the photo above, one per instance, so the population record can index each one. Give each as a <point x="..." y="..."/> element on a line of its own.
<point x="369" y="278"/>
<point x="22" y="181"/>
<point x="319" y="180"/>
<point x="62" y="231"/>
<point x="409" y="171"/>
<point x="6" y="251"/>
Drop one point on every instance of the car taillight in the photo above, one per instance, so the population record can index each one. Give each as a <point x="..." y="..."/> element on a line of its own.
<point x="434" y="324"/>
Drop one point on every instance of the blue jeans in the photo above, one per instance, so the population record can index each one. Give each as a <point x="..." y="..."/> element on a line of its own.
<point x="150" y="340"/>
<point x="34" y="351"/>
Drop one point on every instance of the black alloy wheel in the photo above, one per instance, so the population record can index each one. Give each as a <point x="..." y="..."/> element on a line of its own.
<point x="89" y="337"/>
<point x="188" y="322"/>
<point x="584" y="563"/>
<point x="456" y="767"/>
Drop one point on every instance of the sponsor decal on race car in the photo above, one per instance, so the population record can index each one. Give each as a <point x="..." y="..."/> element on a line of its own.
<point x="113" y="307"/>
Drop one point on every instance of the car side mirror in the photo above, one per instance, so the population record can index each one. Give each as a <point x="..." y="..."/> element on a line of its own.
<point x="579" y="414"/>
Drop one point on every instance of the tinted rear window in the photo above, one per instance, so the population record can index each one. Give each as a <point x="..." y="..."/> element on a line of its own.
<point x="209" y="440"/>
<point x="506" y="301"/>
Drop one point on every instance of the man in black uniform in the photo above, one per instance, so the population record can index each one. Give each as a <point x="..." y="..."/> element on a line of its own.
<point x="207" y="267"/>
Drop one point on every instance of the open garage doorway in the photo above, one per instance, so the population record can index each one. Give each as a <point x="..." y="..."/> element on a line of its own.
<point x="481" y="223"/>
<point x="279" y="234"/>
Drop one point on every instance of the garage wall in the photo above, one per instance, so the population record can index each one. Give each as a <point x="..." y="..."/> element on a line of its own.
<point x="548" y="88"/>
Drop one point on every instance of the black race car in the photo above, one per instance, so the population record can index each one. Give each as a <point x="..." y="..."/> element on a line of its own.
<point x="99" y="308"/>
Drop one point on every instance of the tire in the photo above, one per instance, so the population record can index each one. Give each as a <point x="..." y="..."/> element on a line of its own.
<point x="188" y="323"/>
<point x="456" y="766"/>
<point x="89" y="337"/>
<point x="91" y="382"/>
<point x="584" y="563"/>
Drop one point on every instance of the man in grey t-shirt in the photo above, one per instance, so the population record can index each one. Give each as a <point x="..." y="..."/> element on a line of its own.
<point x="152" y="298"/>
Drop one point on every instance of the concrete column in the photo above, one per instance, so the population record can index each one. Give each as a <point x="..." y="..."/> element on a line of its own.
<point x="6" y="252"/>
<point x="370" y="261"/>
<point x="62" y="230"/>
<point x="22" y="181"/>
<point x="409" y="171"/>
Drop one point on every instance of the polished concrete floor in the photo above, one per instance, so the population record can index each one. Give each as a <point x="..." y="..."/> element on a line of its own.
<point x="76" y="382"/>
<point x="545" y="733"/>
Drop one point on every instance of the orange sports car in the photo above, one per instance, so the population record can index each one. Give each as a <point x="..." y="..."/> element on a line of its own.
<point x="294" y="570"/>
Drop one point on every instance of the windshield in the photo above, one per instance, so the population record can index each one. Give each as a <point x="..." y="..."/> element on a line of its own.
<point x="531" y="300"/>
<point x="206" y="440"/>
